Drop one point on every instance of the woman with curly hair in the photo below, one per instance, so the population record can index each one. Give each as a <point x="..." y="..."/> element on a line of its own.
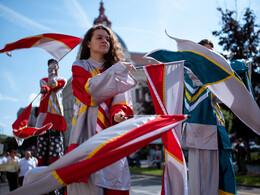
<point x="101" y="81"/>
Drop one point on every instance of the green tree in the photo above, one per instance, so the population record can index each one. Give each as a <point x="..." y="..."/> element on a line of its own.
<point x="239" y="38"/>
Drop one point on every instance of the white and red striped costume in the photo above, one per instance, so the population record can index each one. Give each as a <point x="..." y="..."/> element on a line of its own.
<point x="51" y="111"/>
<point x="99" y="95"/>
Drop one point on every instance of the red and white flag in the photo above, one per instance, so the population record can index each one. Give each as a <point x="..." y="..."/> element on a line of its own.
<point x="21" y="129"/>
<point x="97" y="152"/>
<point x="166" y="86"/>
<point x="58" y="45"/>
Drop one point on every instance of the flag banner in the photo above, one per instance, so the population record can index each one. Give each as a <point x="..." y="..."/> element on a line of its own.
<point x="31" y="131"/>
<point x="215" y="72"/>
<point x="21" y="129"/>
<point x="97" y="152"/>
<point x="165" y="82"/>
<point x="58" y="45"/>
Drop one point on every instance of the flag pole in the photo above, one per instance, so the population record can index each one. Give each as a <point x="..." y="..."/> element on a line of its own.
<point x="35" y="97"/>
<point x="131" y="116"/>
<point x="167" y="63"/>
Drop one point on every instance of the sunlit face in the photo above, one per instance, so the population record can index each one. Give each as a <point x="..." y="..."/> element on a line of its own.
<point x="208" y="46"/>
<point x="27" y="155"/>
<point x="99" y="43"/>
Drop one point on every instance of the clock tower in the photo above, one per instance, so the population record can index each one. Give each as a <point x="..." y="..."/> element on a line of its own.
<point x="102" y="18"/>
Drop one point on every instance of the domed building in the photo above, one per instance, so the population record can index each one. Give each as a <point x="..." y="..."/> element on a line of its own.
<point x="140" y="94"/>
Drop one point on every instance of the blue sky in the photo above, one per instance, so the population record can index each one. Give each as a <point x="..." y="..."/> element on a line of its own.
<point x="140" y="24"/>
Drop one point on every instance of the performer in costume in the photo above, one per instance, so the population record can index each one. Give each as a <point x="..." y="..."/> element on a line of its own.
<point x="50" y="144"/>
<point x="204" y="134"/>
<point x="101" y="84"/>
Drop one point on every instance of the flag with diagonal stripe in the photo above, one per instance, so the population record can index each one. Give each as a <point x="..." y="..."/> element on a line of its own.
<point x="166" y="86"/>
<point x="97" y="152"/>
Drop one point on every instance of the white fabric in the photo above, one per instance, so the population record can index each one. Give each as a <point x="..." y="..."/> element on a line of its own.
<point x="203" y="172"/>
<point x="25" y="165"/>
<point x="41" y="180"/>
<point x="3" y="160"/>
<point x="232" y="92"/>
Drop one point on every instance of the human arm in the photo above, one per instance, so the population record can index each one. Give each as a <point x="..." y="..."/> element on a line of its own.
<point x="121" y="106"/>
<point x="93" y="88"/>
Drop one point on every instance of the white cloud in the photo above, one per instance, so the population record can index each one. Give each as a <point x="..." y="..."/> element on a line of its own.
<point x="7" y="98"/>
<point x="36" y="102"/>
<point x="21" y="20"/>
<point x="78" y="13"/>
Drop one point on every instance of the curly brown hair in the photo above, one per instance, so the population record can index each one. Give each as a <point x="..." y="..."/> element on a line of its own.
<point x="115" y="53"/>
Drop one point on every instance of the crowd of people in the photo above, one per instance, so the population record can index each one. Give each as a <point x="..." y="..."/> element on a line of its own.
<point x="14" y="167"/>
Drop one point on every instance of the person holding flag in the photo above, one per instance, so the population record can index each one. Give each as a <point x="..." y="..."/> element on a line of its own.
<point x="101" y="83"/>
<point x="50" y="144"/>
<point x="205" y="136"/>
<point x="209" y="79"/>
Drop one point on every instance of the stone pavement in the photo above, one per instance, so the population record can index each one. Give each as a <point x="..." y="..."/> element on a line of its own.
<point x="252" y="169"/>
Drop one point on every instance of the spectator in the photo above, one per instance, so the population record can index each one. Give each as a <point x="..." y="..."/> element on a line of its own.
<point x="3" y="159"/>
<point x="12" y="175"/>
<point x="25" y="165"/>
<point x="152" y="157"/>
<point x="241" y="156"/>
<point x="158" y="157"/>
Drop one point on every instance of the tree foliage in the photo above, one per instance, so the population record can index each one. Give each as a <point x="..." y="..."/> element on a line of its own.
<point x="241" y="40"/>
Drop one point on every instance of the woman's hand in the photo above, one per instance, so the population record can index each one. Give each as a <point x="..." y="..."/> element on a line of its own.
<point x="129" y="66"/>
<point x="119" y="117"/>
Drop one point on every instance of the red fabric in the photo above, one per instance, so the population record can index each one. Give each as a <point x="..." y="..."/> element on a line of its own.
<point x="79" y="79"/>
<point x="44" y="103"/>
<point x="113" y="152"/>
<point x="20" y="128"/>
<point x="71" y="147"/>
<point x="52" y="160"/>
<point x="31" y="131"/>
<point x="47" y="88"/>
<point x="48" y="40"/>
<point x="104" y="120"/>
<point x="41" y="162"/>
<point x="58" y="121"/>
<point x="61" y="83"/>
<point x="156" y="73"/>
<point x="23" y="118"/>
<point x="115" y="192"/>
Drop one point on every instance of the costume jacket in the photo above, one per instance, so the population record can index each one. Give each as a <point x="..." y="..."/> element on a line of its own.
<point x="51" y="109"/>
<point x="95" y="89"/>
